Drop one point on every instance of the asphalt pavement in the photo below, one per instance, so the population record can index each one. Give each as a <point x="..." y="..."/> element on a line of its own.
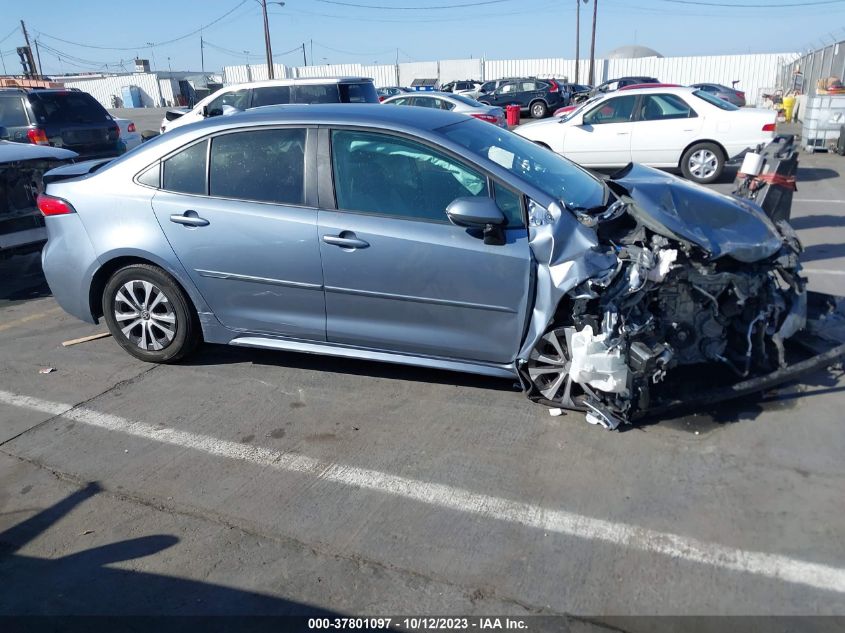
<point x="249" y="481"/>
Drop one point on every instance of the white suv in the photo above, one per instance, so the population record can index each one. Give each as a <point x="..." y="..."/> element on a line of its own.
<point x="274" y="92"/>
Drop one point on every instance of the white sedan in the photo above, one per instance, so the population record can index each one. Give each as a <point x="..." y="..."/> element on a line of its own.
<point x="675" y="128"/>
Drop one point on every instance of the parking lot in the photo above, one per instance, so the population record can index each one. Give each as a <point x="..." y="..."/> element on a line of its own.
<point x="247" y="481"/>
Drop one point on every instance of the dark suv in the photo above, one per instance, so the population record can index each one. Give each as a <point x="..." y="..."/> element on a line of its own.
<point x="70" y="119"/>
<point x="538" y="96"/>
<point x="615" y="84"/>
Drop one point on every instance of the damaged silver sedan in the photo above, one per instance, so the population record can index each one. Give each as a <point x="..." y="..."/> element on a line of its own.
<point x="423" y="237"/>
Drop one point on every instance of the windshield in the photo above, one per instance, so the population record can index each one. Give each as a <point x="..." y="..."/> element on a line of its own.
<point x="550" y="173"/>
<point x="714" y="100"/>
<point x="581" y="107"/>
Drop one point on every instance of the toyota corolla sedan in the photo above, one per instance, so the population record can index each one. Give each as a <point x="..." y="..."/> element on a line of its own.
<point x="423" y="237"/>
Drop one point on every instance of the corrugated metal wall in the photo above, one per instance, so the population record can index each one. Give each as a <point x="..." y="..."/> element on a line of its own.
<point x="456" y="69"/>
<point x="819" y="64"/>
<point x="417" y="70"/>
<point x="551" y="67"/>
<point x="104" y="88"/>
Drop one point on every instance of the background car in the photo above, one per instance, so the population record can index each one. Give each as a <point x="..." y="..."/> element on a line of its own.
<point x="21" y="169"/>
<point x="275" y="92"/>
<point x="389" y="91"/>
<point x="731" y="95"/>
<point x="615" y="84"/>
<point x="681" y="128"/>
<point x="453" y="102"/>
<point x="71" y="119"/>
<point x="488" y="86"/>
<point x="467" y="85"/>
<point x="129" y="135"/>
<point x="538" y="96"/>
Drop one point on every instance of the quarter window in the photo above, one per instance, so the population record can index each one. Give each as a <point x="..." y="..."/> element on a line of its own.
<point x="388" y="175"/>
<point x="185" y="172"/>
<point x="511" y="205"/>
<point x="317" y="93"/>
<point x="261" y="165"/>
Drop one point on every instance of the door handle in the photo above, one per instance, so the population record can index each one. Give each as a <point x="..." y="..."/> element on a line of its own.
<point x="189" y="218"/>
<point x="346" y="239"/>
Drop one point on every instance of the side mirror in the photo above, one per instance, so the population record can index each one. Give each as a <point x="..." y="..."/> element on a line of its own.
<point x="4" y="134"/>
<point x="205" y="112"/>
<point x="479" y="213"/>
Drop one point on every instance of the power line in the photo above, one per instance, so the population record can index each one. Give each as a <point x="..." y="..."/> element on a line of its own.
<point x="748" y="6"/>
<point x="435" y="7"/>
<point x="134" y="48"/>
<point x="552" y="7"/>
<point x="338" y="50"/>
<point x="11" y="33"/>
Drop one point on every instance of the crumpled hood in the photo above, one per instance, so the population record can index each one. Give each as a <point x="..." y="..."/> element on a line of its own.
<point x="721" y="225"/>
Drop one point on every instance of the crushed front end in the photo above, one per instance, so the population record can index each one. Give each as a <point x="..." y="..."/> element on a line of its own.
<point x="702" y="292"/>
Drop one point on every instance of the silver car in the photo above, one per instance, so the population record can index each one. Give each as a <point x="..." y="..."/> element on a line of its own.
<point x="452" y="102"/>
<point x="424" y="237"/>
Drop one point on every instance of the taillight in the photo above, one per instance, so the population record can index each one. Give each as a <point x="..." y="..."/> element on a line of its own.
<point x="131" y="127"/>
<point x="769" y="127"/>
<point x="553" y="87"/>
<point x="740" y="94"/>
<point x="38" y="136"/>
<point x="116" y="131"/>
<point x="380" y="99"/>
<point x="486" y="117"/>
<point x="50" y="205"/>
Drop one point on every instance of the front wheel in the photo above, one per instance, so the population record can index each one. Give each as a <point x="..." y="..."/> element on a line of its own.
<point x="703" y="163"/>
<point x="539" y="110"/>
<point x="149" y="315"/>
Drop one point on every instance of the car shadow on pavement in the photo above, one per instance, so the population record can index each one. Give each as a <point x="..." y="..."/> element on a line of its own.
<point x="83" y="583"/>
<point x="814" y="174"/>
<point x="817" y="221"/>
<point x="222" y="354"/>
<point x="21" y="278"/>
<point x="822" y="251"/>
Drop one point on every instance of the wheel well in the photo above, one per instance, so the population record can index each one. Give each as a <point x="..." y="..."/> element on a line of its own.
<point x="699" y="142"/>
<point x="102" y="276"/>
<point x="538" y="100"/>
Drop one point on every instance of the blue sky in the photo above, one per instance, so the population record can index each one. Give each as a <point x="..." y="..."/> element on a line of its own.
<point x="497" y="29"/>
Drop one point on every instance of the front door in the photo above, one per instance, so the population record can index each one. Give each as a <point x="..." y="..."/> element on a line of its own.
<point x="398" y="275"/>
<point x="603" y="139"/>
<point x="245" y="234"/>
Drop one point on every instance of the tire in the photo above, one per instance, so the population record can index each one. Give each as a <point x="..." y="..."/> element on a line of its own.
<point x="538" y="109"/>
<point x="163" y="334"/>
<point x="703" y="163"/>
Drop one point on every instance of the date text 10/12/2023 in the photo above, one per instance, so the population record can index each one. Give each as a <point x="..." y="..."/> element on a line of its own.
<point x="419" y="623"/>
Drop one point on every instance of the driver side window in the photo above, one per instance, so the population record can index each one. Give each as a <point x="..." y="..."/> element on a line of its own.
<point x="616" y="110"/>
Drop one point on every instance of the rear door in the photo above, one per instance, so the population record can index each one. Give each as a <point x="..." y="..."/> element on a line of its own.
<point x="14" y="116"/>
<point x="247" y="234"/>
<point x="604" y="137"/>
<point x="663" y="126"/>
<point x="398" y="275"/>
<point x="270" y="95"/>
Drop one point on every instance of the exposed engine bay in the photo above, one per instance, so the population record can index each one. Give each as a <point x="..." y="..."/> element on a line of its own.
<point x="699" y="284"/>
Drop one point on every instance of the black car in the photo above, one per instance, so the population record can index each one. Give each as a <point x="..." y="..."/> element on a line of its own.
<point x="615" y="84"/>
<point x="538" y="96"/>
<point x="70" y="119"/>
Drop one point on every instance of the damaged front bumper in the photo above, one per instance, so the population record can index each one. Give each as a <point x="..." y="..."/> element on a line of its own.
<point x="674" y="296"/>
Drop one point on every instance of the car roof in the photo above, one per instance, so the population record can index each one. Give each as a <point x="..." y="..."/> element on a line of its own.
<point x="370" y="114"/>
<point x="652" y="90"/>
<point x="298" y="81"/>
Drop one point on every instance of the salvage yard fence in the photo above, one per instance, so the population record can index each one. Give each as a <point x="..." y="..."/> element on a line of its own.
<point x="756" y="73"/>
<point x="828" y="61"/>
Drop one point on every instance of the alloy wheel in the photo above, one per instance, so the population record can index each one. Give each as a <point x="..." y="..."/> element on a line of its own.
<point x="145" y="315"/>
<point x="548" y="367"/>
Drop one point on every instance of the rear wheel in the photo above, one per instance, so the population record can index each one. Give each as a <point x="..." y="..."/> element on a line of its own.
<point x="703" y="163"/>
<point x="539" y="110"/>
<point x="149" y="315"/>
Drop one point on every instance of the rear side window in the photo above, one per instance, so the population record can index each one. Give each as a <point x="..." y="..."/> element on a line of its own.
<point x="317" y="94"/>
<point x="358" y="93"/>
<point x="661" y="107"/>
<point x="271" y="95"/>
<point x="12" y="112"/>
<point x="67" y="107"/>
<point x="185" y="172"/>
<point x="261" y="165"/>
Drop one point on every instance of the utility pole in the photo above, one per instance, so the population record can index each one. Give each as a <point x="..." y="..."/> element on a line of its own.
<point x="38" y="57"/>
<point x="267" y="48"/>
<point x="592" y="81"/>
<point x="577" y="35"/>
<point x="304" y="58"/>
<point x="26" y="39"/>
<point x="202" y="57"/>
